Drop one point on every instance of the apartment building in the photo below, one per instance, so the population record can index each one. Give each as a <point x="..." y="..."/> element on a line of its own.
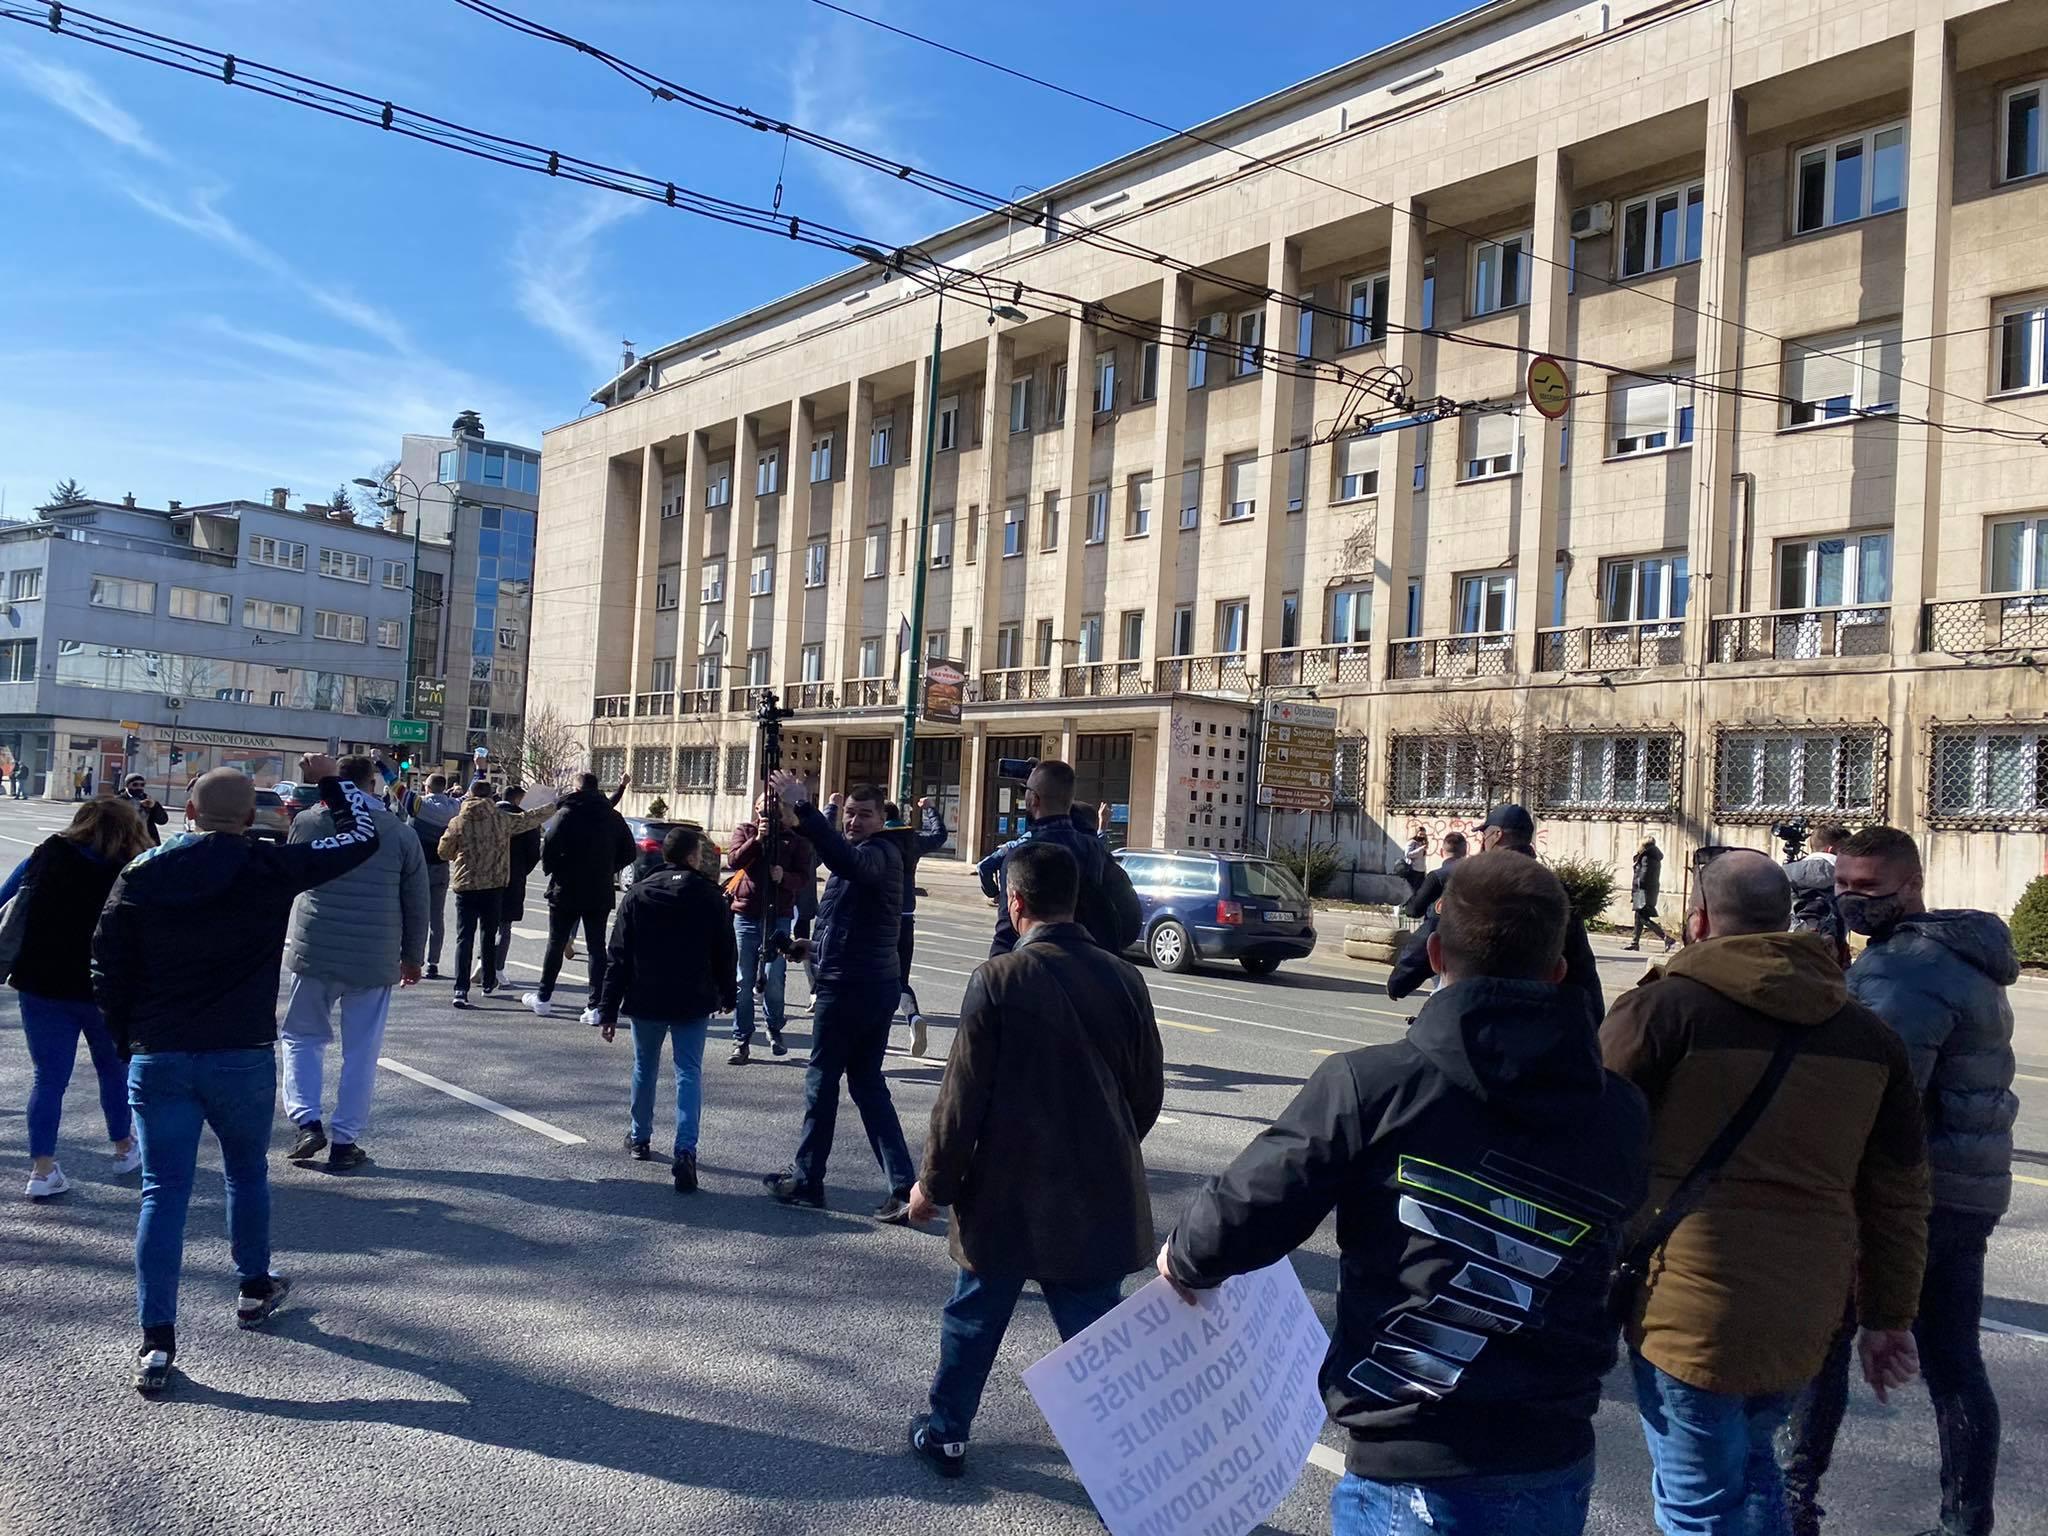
<point x="1766" y="564"/>
<point x="235" y="634"/>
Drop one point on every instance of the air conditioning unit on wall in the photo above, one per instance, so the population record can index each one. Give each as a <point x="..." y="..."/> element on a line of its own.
<point x="1593" y="219"/>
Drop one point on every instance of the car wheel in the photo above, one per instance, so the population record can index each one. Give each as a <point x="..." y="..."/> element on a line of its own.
<point x="1170" y="947"/>
<point x="1258" y="965"/>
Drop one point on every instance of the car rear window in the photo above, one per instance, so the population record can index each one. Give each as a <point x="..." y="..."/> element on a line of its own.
<point x="268" y="797"/>
<point x="1256" y="877"/>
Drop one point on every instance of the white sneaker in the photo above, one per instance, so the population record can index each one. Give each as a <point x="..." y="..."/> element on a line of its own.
<point x="129" y="1161"/>
<point x="43" y="1185"/>
<point x="542" y="1007"/>
<point x="592" y="1017"/>
<point x="917" y="1034"/>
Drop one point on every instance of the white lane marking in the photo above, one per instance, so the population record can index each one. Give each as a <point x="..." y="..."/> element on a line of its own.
<point x="531" y="933"/>
<point x="1326" y="1457"/>
<point x="20" y="842"/>
<point x="539" y="970"/>
<point x="517" y="1117"/>
<point x="1167" y="1120"/>
<point x="1992" y="1325"/>
<point x="1200" y="1029"/>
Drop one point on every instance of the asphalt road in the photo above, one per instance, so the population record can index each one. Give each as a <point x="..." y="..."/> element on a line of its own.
<point x="497" y="1329"/>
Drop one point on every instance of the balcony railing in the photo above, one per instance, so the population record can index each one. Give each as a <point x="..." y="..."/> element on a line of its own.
<point x="1803" y="634"/>
<point x="1975" y="625"/>
<point x="611" y="706"/>
<point x="867" y="692"/>
<point x="656" y="704"/>
<point x="697" y="701"/>
<point x="1002" y="684"/>
<point x="741" y="701"/>
<point x="1222" y="672"/>
<point x="812" y="695"/>
<point x="1491" y="654"/>
<point x="1311" y="666"/>
<point x="1611" y="647"/>
<point x="1104" y="680"/>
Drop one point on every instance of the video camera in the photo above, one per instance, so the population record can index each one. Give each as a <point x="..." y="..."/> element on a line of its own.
<point x="1793" y="835"/>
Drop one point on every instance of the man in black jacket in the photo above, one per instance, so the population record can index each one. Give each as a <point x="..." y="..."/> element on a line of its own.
<point x="585" y="850"/>
<point x="1482" y="1172"/>
<point x="185" y="968"/>
<point x="1512" y="829"/>
<point x="673" y="965"/>
<point x="1054" y="1080"/>
<point x="853" y="948"/>
<point x="135" y="789"/>
<point x="1108" y="907"/>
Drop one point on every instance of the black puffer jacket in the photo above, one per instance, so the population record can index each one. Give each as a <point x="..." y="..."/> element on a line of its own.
<point x="853" y="941"/>
<point x="67" y="886"/>
<point x="1939" y="981"/>
<point x="672" y="955"/>
<point x="588" y="845"/>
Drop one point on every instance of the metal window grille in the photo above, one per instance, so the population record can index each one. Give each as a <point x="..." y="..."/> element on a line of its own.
<point x="1763" y="774"/>
<point x="1434" y="773"/>
<point x="650" y="767"/>
<point x="1348" y="787"/>
<point x="609" y="764"/>
<point x="696" y="767"/>
<point x="1606" y="773"/>
<point x="736" y="768"/>
<point x="1990" y="778"/>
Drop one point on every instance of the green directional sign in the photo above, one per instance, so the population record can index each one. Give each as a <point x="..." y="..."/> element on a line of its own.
<point x="408" y="730"/>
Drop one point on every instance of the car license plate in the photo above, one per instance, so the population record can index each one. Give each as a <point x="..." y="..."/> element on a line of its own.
<point x="1282" y="915"/>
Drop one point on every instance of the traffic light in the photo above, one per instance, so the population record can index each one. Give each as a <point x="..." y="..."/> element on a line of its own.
<point x="405" y="765"/>
<point x="177" y="756"/>
<point x="133" y="746"/>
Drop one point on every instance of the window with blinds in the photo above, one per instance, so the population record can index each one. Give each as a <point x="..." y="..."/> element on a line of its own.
<point x="1493" y="444"/>
<point x="1358" y="468"/>
<point x="1241" y="475"/>
<point x="1827" y="378"/>
<point x="1648" y="416"/>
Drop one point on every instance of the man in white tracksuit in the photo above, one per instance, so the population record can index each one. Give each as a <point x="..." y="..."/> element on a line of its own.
<point x="351" y="941"/>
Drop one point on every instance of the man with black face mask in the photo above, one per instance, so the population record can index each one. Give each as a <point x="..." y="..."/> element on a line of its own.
<point x="1939" y="980"/>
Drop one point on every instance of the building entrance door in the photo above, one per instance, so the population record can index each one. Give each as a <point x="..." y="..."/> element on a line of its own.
<point x="1002" y="809"/>
<point x="1102" y="772"/>
<point x="938" y="776"/>
<point x="865" y="761"/>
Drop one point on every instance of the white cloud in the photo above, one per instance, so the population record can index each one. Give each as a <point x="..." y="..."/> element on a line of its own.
<point x="79" y="95"/>
<point x="551" y="260"/>
<point x="830" y="89"/>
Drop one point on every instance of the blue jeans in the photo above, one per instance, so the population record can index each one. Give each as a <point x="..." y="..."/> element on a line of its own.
<point x="1511" y="1504"/>
<point x="53" y="1025"/>
<point x="687" y="1042"/>
<point x="1713" y="1461"/>
<point x="174" y="1093"/>
<point x="849" y="1038"/>
<point x="971" y="1331"/>
<point x="748" y="932"/>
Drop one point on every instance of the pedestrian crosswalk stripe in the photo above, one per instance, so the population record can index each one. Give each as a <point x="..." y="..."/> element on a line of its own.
<point x="517" y="1117"/>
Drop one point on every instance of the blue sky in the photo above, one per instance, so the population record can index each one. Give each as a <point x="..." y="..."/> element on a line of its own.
<point x="204" y="294"/>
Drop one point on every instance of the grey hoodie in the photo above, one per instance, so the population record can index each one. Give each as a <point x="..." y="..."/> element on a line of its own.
<point x="1939" y="981"/>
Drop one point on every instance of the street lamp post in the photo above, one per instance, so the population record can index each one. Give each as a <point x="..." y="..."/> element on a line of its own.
<point x="939" y="280"/>
<point x="412" y="586"/>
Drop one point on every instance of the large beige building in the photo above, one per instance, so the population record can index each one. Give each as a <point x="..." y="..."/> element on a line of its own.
<point x="1694" y="612"/>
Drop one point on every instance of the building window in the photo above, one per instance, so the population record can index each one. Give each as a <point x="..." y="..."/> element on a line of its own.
<point x="1290" y="620"/>
<point x="280" y="553"/>
<point x="942" y="543"/>
<point x="881" y="447"/>
<point x="1434" y="771"/>
<point x="1020" y="404"/>
<point x="25" y="586"/>
<point x="768" y="473"/>
<point x="1105" y="382"/>
<point x="1992" y="777"/>
<point x="1049" y="523"/>
<point x="662" y="675"/>
<point x="736" y="764"/>
<point x="1242" y="498"/>
<point x="2017" y="555"/>
<point x="1091" y="637"/>
<point x="711" y="582"/>
<point x="1297" y="476"/>
<point x="1358" y="468"/>
<point x="811" y="662"/>
<point x="119" y="592"/>
<point x="1198" y="349"/>
<point x="608" y="763"/>
<point x="871" y="656"/>
<point x="949" y="423"/>
<point x="1013" y="531"/>
<point x="1662" y="229"/>
<point x="1148" y="370"/>
<point x="966" y="645"/>
<point x="1493" y="444"/>
<point x="1184" y="630"/>
<point x="757" y="668"/>
<point x="1835" y="572"/>
<point x="1305" y="325"/>
<point x="394" y="575"/>
<point x="343" y="565"/>
<point x="1351" y="615"/>
<point x="1131" y="634"/>
<point x="1831" y="377"/>
<point x="271" y="618"/>
<point x="1486" y="603"/>
<point x="761" y="573"/>
<point x="1500" y="274"/>
<point x="875" y="552"/>
<point x="1057" y="414"/>
<point x="1644" y="589"/>
<point x="352" y="627"/>
<point x="447" y="467"/>
<point x="814" y="564"/>
<point x="201" y="606"/>
<point x="665" y="583"/>
<point x="2023" y="347"/>
<point x="1365" y="301"/>
<point x="1233" y="624"/>
<point x="1850" y="178"/>
<point x="1647" y="415"/>
<point x="709" y="669"/>
<point x="1098" y="515"/>
<point x="18" y="661"/>
<point x="672" y="496"/>
<point x="390" y="633"/>
<point x="696" y="768"/>
<point x="1008" y="639"/>
<point x="1251" y="341"/>
<point x="934" y="644"/>
<point x="1764" y="774"/>
<point x="718" y="486"/>
<point x="1622" y="772"/>
<point x="2025" y="128"/>
<point x="1138" y="507"/>
<point x="1045" y="642"/>
<point x="821" y="458"/>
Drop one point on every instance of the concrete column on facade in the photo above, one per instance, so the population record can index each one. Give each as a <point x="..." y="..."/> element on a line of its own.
<point x="1276" y="436"/>
<point x="646" y="569"/>
<point x="1542" y="438"/>
<point x="1713" y="568"/>
<point x="973" y="783"/>
<point x="690" y="573"/>
<point x="613" y="631"/>
<point x="828" y="764"/>
<point x="1069" y="731"/>
<point x="1394" y="521"/>
<point x="1923" y="320"/>
<point x="849" y="534"/>
<point x="995" y="496"/>
<point x="741" y="530"/>
<point x="1169" y="453"/>
<point x="793" y="538"/>
<point x="1077" y="441"/>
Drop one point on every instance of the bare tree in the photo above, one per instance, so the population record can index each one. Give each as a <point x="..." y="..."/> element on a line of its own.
<point x="1486" y="741"/>
<point x="544" y="748"/>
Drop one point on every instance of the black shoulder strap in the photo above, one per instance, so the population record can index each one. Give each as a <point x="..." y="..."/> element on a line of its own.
<point x="1686" y="1197"/>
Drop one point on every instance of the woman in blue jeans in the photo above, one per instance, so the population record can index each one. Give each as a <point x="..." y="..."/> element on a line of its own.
<point x="671" y="964"/>
<point x="66" y="881"/>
